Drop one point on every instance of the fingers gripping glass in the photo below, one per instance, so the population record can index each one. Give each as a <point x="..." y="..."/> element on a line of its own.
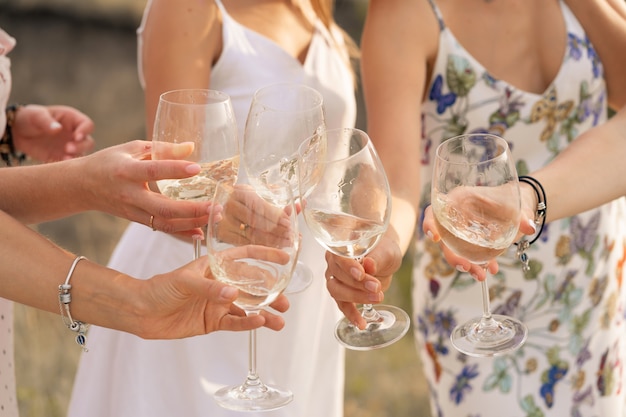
<point x="253" y="245"/>
<point x="476" y="203"/>
<point x="346" y="202"/>
<point x="206" y="119"/>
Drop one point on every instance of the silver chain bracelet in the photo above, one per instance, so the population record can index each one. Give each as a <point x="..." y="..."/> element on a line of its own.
<point x="65" y="298"/>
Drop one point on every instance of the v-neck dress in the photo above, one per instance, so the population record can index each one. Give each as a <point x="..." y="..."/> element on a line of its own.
<point x="572" y="299"/>
<point x="125" y="376"/>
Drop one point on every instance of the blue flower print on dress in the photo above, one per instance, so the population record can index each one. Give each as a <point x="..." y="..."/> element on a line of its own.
<point x="443" y="100"/>
<point x="462" y="384"/>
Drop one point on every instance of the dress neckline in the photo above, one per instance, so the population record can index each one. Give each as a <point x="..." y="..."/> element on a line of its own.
<point x="504" y="83"/>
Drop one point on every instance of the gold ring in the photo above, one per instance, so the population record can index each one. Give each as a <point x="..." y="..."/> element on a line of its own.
<point x="243" y="228"/>
<point x="152" y="223"/>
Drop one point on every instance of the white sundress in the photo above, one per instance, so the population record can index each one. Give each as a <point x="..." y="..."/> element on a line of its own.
<point x="125" y="376"/>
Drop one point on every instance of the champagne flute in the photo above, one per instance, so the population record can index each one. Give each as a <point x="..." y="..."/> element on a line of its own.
<point x="281" y="116"/>
<point x="206" y="118"/>
<point x="476" y="204"/>
<point x="346" y="202"/>
<point x="253" y="245"/>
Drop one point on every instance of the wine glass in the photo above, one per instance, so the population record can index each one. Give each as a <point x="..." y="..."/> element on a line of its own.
<point x="476" y="204"/>
<point x="346" y="203"/>
<point x="206" y="118"/>
<point x="281" y="116"/>
<point x="253" y="245"/>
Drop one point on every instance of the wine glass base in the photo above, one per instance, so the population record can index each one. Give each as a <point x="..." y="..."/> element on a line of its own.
<point x="502" y="335"/>
<point x="258" y="397"/>
<point x="391" y="326"/>
<point x="301" y="280"/>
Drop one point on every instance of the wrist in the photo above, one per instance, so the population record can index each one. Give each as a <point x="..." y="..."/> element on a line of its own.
<point x="8" y="153"/>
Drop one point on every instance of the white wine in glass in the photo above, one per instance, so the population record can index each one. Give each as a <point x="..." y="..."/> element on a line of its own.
<point x="205" y="118"/>
<point x="476" y="204"/>
<point x="281" y="117"/>
<point x="346" y="202"/>
<point x="253" y="245"/>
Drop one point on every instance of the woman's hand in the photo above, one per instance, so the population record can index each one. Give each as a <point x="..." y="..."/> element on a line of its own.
<point x="350" y="282"/>
<point x="52" y="133"/>
<point x="116" y="180"/>
<point x="526" y="227"/>
<point x="189" y="301"/>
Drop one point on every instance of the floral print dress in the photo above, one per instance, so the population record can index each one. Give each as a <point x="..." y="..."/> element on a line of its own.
<point x="572" y="299"/>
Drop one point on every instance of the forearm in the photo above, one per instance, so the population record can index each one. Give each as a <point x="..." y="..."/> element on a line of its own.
<point x="41" y="193"/>
<point x="33" y="268"/>
<point x="589" y="172"/>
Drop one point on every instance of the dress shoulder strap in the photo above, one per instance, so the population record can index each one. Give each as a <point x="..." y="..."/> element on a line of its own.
<point x="442" y="24"/>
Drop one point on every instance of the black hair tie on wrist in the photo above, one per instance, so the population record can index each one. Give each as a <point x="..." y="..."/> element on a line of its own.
<point x="540" y="220"/>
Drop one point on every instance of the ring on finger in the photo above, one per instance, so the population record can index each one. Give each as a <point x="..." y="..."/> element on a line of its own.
<point x="152" y="223"/>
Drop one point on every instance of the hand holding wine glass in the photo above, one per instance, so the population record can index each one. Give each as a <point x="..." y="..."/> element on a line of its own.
<point x="346" y="202"/>
<point x="253" y="245"/>
<point x="475" y="200"/>
<point x="206" y="119"/>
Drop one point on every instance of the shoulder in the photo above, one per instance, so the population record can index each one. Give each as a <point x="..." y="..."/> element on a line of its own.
<point x="407" y="27"/>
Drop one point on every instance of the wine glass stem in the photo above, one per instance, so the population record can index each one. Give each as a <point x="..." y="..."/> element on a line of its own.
<point x="486" y="306"/>
<point x="369" y="313"/>
<point x="197" y="248"/>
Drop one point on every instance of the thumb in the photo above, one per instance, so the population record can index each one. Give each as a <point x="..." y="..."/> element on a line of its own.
<point x="221" y="293"/>
<point x="44" y="121"/>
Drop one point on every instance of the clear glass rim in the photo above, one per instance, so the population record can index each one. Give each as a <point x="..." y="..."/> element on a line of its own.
<point x="331" y="159"/>
<point x="186" y="96"/>
<point x="316" y="102"/>
<point x="504" y="149"/>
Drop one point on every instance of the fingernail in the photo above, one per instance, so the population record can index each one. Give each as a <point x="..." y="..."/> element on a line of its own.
<point x="193" y="169"/>
<point x="55" y="125"/>
<point x="228" y="292"/>
<point x="374" y="298"/>
<point x="474" y="276"/>
<point x="356" y="273"/>
<point x="371" y="286"/>
<point x="461" y="268"/>
<point x="533" y="225"/>
<point x="430" y="235"/>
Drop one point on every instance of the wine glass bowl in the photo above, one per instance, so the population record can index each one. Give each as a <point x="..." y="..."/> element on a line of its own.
<point x="281" y="116"/>
<point x="252" y="245"/>
<point x="476" y="205"/>
<point x="206" y="119"/>
<point x="346" y="203"/>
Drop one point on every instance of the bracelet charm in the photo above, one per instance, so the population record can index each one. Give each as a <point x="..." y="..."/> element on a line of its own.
<point x="65" y="298"/>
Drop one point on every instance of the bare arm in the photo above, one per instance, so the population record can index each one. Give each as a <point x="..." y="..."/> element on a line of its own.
<point x="394" y="76"/>
<point x="181" y="39"/>
<point x="113" y="180"/>
<point x="178" y="304"/>
<point x="589" y="172"/>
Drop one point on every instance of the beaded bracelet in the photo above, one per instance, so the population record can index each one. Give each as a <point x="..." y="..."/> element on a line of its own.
<point x="540" y="220"/>
<point x="7" y="148"/>
<point x="65" y="298"/>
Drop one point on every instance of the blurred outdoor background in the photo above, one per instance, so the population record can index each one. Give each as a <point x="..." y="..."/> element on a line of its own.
<point x="82" y="53"/>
